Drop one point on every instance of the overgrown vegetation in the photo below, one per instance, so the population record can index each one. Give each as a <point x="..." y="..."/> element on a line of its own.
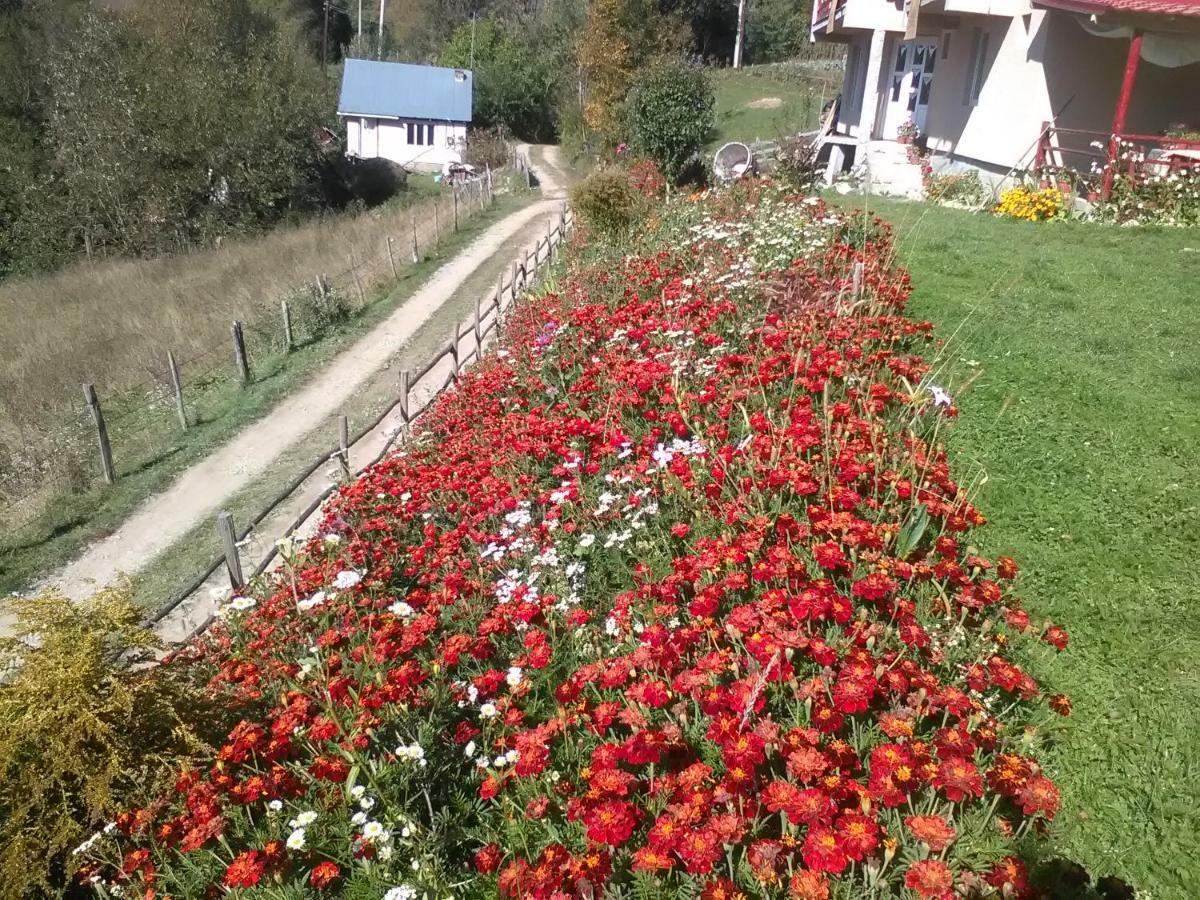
<point x="82" y="736"/>
<point x="607" y="203"/>
<point x="158" y="127"/>
<point x="670" y="113"/>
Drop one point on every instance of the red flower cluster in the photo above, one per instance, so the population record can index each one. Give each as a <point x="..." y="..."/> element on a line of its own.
<point x="677" y="587"/>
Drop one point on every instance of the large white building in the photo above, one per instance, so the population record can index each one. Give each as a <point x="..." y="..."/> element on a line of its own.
<point x="416" y="116"/>
<point x="1004" y="85"/>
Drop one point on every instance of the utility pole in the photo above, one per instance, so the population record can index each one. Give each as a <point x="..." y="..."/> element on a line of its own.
<point x="740" y="43"/>
<point x="379" y="48"/>
<point x="325" y="39"/>
<point x="360" y="21"/>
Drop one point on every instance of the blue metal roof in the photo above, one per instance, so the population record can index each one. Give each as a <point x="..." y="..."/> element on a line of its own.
<point x="405" y="91"/>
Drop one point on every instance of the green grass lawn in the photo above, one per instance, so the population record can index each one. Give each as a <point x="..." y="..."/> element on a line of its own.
<point x="1084" y="413"/>
<point x="746" y="102"/>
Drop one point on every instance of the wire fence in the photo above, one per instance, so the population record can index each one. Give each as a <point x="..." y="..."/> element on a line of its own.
<point x="136" y="424"/>
<point x="486" y="320"/>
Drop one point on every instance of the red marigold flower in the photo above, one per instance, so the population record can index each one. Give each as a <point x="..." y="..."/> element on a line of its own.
<point x="853" y="695"/>
<point x="859" y="835"/>
<point x="1056" y="637"/>
<point x="931" y="879"/>
<point x="1006" y="568"/>
<point x="807" y="764"/>
<point x="246" y="870"/>
<point x="958" y="779"/>
<point x="721" y="889"/>
<point x="933" y="830"/>
<point x="699" y="850"/>
<point x="829" y="555"/>
<point x="487" y="858"/>
<point x="1039" y="796"/>
<point x="681" y="529"/>
<point x="324" y="874"/>
<point x="611" y="822"/>
<point x="1009" y="872"/>
<point x="1061" y="704"/>
<point x="806" y="885"/>
<point x="651" y="859"/>
<point x="823" y="851"/>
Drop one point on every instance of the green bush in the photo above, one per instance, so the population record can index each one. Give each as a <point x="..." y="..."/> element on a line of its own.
<point x="607" y="202"/>
<point x="82" y="736"/>
<point x="670" y="115"/>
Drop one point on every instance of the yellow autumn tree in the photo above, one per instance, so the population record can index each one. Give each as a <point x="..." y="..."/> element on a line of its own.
<point x="605" y="64"/>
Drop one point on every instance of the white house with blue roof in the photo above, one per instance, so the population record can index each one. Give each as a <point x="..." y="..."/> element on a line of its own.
<point x="416" y="116"/>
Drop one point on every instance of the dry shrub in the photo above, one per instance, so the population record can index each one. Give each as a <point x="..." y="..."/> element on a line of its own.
<point x="607" y="202"/>
<point x="486" y="148"/>
<point x="82" y="735"/>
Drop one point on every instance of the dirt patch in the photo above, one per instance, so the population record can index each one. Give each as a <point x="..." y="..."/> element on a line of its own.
<point x="765" y="103"/>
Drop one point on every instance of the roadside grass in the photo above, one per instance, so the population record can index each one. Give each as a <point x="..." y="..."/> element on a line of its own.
<point x="801" y="94"/>
<point x="1078" y="343"/>
<point x="167" y="574"/>
<point x="86" y="514"/>
<point x="113" y="322"/>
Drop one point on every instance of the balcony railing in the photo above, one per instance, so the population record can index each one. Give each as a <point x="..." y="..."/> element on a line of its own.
<point x="1100" y="157"/>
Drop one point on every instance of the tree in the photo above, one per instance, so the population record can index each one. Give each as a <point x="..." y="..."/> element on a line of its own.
<point x="178" y="121"/>
<point x="670" y="112"/>
<point x="514" y="86"/>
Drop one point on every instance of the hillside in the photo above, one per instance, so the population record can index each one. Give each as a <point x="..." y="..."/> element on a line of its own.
<point x="674" y="595"/>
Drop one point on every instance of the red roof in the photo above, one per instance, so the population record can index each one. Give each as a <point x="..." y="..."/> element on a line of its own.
<point x="1136" y="7"/>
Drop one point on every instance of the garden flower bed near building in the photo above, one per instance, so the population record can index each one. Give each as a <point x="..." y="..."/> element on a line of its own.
<point x="674" y="596"/>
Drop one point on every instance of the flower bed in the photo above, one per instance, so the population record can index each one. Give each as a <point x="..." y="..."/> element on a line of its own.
<point x="674" y="597"/>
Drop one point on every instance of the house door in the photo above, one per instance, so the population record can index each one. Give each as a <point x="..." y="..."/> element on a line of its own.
<point x="368" y="136"/>
<point x="911" y="80"/>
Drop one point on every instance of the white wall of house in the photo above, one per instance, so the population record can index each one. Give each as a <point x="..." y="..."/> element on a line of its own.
<point x="1004" y="77"/>
<point x="419" y="144"/>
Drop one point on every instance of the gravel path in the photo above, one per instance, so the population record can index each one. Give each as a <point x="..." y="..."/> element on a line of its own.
<point x="197" y="494"/>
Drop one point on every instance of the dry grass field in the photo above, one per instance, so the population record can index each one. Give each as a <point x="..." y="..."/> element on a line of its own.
<point x="112" y="323"/>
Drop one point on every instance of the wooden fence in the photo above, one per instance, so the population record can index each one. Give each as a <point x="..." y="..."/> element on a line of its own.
<point x="136" y="425"/>
<point x="485" y="320"/>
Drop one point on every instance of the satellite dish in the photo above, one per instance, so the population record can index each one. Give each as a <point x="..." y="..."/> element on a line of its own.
<point x="732" y="161"/>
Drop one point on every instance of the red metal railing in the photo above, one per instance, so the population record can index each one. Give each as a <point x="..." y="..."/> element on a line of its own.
<point x="1136" y="156"/>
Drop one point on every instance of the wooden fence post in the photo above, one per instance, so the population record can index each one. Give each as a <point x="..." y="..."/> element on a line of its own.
<point x="391" y="257"/>
<point x="415" y="253"/>
<point x="499" y="295"/>
<point x="233" y="562"/>
<point x="515" y="268"/>
<point x="454" y="190"/>
<point x="239" y="352"/>
<point x="491" y="196"/>
<point x="454" y="350"/>
<point x="549" y="241"/>
<point x="404" y="376"/>
<point x="528" y="175"/>
<point x="106" y="460"/>
<point x="289" y="342"/>
<point x="344" y="445"/>
<point x="478" y="329"/>
<point x="178" y="386"/>
<point x="857" y="280"/>
<point x="437" y="225"/>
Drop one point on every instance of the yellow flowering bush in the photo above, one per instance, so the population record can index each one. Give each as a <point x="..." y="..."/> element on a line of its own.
<point x="1033" y="206"/>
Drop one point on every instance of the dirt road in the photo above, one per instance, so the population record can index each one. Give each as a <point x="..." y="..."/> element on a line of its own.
<point x="197" y="494"/>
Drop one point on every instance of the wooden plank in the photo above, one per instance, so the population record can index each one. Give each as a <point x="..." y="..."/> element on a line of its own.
<point x="239" y="352"/>
<point x="344" y="445"/>
<point x="178" y="386"/>
<point x="404" y="377"/>
<point x="415" y="252"/>
<point x="233" y="561"/>
<point x="285" y="311"/>
<point x="106" y="460"/>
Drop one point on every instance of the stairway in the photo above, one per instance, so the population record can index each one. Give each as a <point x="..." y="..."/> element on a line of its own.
<point x="885" y="169"/>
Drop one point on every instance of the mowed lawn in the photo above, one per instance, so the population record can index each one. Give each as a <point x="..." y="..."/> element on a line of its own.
<point x="769" y="103"/>
<point x="1084" y="413"/>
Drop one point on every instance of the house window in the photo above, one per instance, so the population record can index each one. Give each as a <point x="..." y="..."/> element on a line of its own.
<point x="976" y="67"/>
<point x="854" y="94"/>
<point x="420" y="134"/>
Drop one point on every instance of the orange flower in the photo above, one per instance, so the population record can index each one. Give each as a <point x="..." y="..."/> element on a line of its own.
<point x="933" y="830"/>
<point x="931" y="879"/>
